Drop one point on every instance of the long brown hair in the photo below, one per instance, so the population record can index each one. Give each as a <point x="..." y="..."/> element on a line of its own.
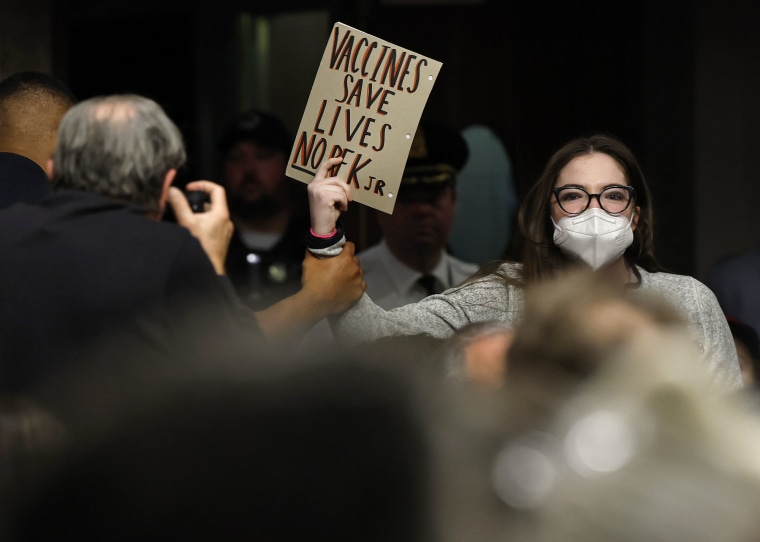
<point x="540" y="257"/>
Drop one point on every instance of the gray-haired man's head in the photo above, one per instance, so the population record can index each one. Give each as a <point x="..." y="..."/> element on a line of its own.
<point x="119" y="146"/>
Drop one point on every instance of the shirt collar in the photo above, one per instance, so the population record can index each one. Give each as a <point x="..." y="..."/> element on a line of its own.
<point x="404" y="277"/>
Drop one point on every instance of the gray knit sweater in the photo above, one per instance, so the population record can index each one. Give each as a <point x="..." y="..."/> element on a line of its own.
<point x="490" y="298"/>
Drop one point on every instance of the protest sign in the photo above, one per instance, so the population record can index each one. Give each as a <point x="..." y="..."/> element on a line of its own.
<point x="365" y="105"/>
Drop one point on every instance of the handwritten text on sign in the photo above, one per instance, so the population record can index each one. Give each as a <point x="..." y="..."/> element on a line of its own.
<point x="364" y="106"/>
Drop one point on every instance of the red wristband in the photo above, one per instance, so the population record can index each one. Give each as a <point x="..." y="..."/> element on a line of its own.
<point x="335" y="230"/>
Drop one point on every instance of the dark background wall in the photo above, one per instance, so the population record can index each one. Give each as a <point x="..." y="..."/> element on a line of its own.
<point x="677" y="80"/>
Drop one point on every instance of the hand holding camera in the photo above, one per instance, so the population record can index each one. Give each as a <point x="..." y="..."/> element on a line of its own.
<point x="202" y="209"/>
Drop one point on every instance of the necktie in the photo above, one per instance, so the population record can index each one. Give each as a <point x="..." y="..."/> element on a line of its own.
<point x="430" y="284"/>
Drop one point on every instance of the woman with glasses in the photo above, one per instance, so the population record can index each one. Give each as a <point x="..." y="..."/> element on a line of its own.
<point x="591" y="206"/>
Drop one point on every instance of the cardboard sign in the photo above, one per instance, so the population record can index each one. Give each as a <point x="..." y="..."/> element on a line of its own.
<point x="365" y="106"/>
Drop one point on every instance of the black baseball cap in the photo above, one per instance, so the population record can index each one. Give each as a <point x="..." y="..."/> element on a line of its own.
<point x="260" y="127"/>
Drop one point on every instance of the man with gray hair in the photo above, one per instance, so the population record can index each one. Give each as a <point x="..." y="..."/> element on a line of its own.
<point x="92" y="275"/>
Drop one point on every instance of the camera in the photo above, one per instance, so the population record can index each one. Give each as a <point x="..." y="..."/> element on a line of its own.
<point x="197" y="200"/>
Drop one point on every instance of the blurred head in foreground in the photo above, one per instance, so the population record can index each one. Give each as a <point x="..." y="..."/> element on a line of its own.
<point x="571" y="325"/>
<point x="639" y="452"/>
<point x="478" y="352"/>
<point x="331" y="452"/>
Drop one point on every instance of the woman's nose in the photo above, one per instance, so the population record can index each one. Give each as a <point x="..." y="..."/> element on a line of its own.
<point x="592" y="203"/>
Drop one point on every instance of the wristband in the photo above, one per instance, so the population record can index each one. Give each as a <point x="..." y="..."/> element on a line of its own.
<point x="335" y="230"/>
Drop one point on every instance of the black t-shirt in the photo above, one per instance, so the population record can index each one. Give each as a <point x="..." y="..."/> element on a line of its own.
<point x="264" y="277"/>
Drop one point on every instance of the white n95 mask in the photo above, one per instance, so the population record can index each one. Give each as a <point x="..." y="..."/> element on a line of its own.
<point x="594" y="236"/>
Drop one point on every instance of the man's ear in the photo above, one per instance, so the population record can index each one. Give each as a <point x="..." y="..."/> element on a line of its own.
<point x="50" y="169"/>
<point x="168" y="180"/>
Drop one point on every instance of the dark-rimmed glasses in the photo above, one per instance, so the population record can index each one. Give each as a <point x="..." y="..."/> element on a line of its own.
<point x="613" y="199"/>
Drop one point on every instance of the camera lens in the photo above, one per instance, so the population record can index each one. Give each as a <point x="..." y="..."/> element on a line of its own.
<point x="197" y="200"/>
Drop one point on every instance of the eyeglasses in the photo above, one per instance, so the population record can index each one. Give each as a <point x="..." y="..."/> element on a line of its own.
<point x="613" y="199"/>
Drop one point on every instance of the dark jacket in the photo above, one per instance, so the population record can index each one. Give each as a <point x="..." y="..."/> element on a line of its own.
<point x="21" y="180"/>
<point x="89" y="279"/>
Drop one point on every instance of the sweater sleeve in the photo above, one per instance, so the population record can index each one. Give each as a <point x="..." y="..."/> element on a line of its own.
<point x="437" y="315"/>
<point x="719" y="348"/>
<point x="706" y="322"/>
